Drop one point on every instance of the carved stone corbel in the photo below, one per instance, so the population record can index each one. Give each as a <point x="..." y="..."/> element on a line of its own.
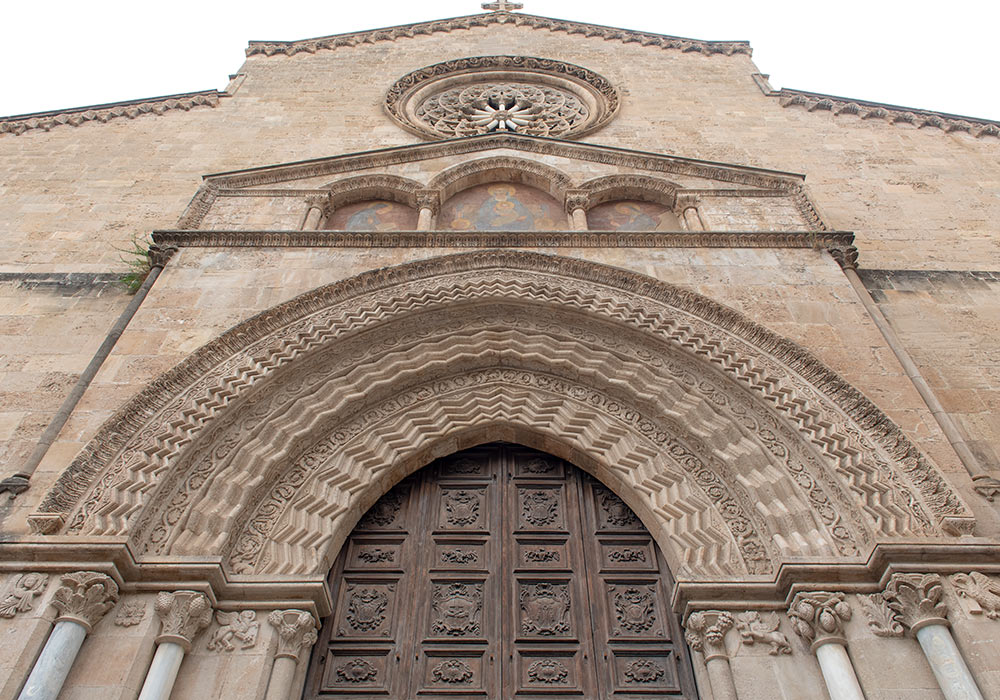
<point x="296" y="629"/>
<point x="183" y="614"/>
<point x="819" y="616"/>
<point x="160" y="255"/>
<point x="917" y="600"/>
<point x="84" y="597"/>
<point x="577" y="199"/>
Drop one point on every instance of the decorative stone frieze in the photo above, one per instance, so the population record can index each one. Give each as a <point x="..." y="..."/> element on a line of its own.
<point x="240" y="626"/>
<point x="982" y="589"/>
<point x="296" y="632"/>
<point x="19" y="593"/>
<point x="818" y="617"/>
<point x="883" y="621"/>
<point x="917" y="600"/>
<point x="84" y="597"/>
<point x="757" y="629"/>
<point x="105" y="113"/>
<point x="338" y="41"/>
<point x="705" y="631"/>
<point x="183" y="614"/>
<point x="130" y="613"/>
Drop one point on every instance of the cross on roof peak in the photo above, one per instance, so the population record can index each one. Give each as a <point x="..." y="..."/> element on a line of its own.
<point x="502" y="6"/>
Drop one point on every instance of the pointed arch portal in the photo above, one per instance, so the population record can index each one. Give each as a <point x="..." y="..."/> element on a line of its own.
<point x="737" y="449"/>
<point x="500" y="572"/>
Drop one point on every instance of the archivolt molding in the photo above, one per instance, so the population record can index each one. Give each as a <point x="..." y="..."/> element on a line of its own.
<point x="641" y="187"/>
<point x="365" y="187"/>
<point x="501" y="169"/>
<point x="113" y="478"/>
<point x="408" y="31"/>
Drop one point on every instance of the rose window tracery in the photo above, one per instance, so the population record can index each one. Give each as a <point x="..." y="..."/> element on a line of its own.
<point x="538" y="110"/>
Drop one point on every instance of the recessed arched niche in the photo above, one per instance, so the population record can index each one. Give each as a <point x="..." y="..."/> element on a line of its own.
<point x="632" y="215"/>
<point x="502" y="206"/>
<point x="373" y="215"/>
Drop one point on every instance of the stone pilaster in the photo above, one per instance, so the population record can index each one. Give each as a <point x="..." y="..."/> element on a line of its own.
<point x="84" y="596"/>
<point x="183" y="614"/>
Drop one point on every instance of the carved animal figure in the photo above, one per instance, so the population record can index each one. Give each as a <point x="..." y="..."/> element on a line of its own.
<point x="239" y="625"/>
<point x="980" y="588"/>
<point x="753" y="629"/>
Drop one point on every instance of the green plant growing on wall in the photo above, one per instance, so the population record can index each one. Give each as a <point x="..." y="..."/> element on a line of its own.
<point x="136" y="257"/>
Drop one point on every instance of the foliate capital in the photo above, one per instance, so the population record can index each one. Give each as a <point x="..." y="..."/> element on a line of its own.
<point x="846" y="256"/>
<point x="84" y="596"/>
<point x="577" y="199"/>
<point x="317" y="201"/>
<point x="429" y="199"/>
<point x="706" y="632"/>
<point x="819" y="616"/>
<point x="183" y="615"/>
<point x="685" y="201"/>
<point x="917" y="600"/>
<point x="296" y="630"/>
<point x="160" y="255"/>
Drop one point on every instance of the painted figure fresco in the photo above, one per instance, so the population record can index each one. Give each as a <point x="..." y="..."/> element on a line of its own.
<point x="373" y="216"/>
<point x="631" y="215"/>
<point x="502" y="206"/>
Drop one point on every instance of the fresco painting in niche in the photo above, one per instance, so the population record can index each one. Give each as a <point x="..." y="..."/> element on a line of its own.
<point x="631" y="215"/>
<point x="376" y="215"/>
<point x="502" y="206"/>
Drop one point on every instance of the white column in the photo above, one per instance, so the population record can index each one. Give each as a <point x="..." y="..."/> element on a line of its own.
<point x="296" y="633"/>
<point x="838" y="672"/>
<point x="819" y="617"/>
<point x="917" y="601"/>
<point x="428" y="204"/>
<point x="706" y="632"/>
<point x="314" y="213"/>
<point x="53" y="664"/>
<point x="579" y="219"/>
<point x="183" y="614"/>
<point x="81" y="599"/>
<point x="162" y="672"/>
<point x="576" y="208"/>
<point x="424" y="219"/>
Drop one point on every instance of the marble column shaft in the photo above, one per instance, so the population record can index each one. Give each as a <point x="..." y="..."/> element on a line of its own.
<point x="425" y="219"/>
<point x="706" y="633"/>
<point x="296" y="633"/>
<point x="579" y="219"/>
<point x="162" y="672"/>
<point x="838" y="672"/>
<point x="818" y="617"/>
<point x="183" y="614"/>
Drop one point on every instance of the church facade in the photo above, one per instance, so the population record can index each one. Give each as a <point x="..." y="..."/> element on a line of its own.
<point x="500" y="356"/>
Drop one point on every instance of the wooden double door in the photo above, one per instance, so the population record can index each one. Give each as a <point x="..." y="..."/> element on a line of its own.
<point x="500" y="572"/>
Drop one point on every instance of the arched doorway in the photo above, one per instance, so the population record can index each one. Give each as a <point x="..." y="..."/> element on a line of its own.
<point x="495" y="572"/>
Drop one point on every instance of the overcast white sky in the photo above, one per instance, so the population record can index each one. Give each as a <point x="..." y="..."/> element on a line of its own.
<point x="934" y="55"/>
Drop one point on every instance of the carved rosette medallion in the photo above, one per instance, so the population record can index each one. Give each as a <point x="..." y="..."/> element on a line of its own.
<point x="548" y="671"/>
<point x="485" y="94"/>
<point x="452" y="672"/>
<point x="643" y="671"/>
<point x="356" y="671"/>
<point x="457" y="609"/>
<point x="545" y="609"/>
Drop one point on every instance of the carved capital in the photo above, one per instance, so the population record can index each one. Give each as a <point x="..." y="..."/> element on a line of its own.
<point x="819" y="616"/>
<point x="318" y="201"/>
<point x="706" y="632"/>
<point x="159" y="255"/>
<point x="296" y="630"/>
<point x="685" y="201"/>
<point x="983" y="484"/>
<point x="577" y="199"/>
<point x="429" y="199"/>
<point x="917" y="600"/>
<point x="183" y="614"/>
<point x="846" y="256"/>
<point x="84" y="596"/>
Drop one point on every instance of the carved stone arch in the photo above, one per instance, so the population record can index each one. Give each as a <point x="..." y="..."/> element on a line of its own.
<point x="365" y="187"/>
<point x="642" y="187"/>
<point x="162" y="449"/>
<point x="501" y="169"/>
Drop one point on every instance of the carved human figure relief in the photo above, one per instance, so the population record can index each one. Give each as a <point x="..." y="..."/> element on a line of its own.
<point x="20" y="592"/>
<point x="982" y="590"/>
<point x="757" y="629"/>
<point x="240" y="626"/>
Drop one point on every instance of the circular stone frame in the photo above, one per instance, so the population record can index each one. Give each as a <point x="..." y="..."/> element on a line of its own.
<point x="410" y="91"/>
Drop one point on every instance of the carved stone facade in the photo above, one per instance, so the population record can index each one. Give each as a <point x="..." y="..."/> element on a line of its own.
<point x="761" y="320"/>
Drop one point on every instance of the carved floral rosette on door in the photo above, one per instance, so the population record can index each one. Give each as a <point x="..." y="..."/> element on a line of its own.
<point x="500" y="572"/>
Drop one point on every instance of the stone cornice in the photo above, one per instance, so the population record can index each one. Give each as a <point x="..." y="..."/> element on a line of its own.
<point x="409" y="31"/>
<point x="479" y="239"/>
<point x="893" y="114"/>
<point x="130" y="109"/>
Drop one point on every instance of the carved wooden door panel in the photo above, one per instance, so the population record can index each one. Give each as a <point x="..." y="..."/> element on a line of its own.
<point x="499" y="572"/>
